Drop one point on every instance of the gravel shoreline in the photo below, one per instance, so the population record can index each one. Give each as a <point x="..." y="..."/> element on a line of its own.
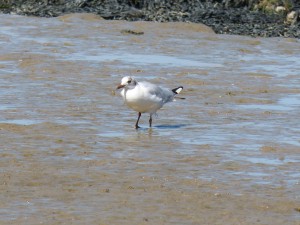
<point x="257" y="18"/>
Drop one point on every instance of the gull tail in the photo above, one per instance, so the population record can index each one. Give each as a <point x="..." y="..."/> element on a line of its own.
<point x="177" y="90"/>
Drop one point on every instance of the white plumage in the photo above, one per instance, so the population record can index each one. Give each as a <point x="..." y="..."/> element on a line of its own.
<point x="145" y="97"/>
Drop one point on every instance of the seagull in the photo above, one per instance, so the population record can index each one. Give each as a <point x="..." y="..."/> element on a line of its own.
<point x="144" y="97"/>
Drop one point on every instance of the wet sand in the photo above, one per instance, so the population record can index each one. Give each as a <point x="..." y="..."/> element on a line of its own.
<point x="228" y="154"/>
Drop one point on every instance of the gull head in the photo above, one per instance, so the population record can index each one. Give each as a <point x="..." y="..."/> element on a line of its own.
<point x="127" y="82"/>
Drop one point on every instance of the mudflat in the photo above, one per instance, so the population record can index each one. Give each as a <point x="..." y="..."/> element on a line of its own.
<point x="227" y="154"/>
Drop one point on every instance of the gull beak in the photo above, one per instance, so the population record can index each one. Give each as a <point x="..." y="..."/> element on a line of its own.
<point x="120" y="86"/>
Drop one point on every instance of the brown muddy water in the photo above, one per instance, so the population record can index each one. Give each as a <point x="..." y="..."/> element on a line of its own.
<point x="228" y="154"/>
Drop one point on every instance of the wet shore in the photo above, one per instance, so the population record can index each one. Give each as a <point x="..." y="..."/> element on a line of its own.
<point x="227" y="154"/>
<point x="252" y="18"/>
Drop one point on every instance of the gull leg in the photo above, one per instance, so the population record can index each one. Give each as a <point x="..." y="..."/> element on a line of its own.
<point x="150" y="120"/>
<point x="137" y="122"/>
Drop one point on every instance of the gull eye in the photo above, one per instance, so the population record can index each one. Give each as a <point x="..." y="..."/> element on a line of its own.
<point x="129" y="81"/>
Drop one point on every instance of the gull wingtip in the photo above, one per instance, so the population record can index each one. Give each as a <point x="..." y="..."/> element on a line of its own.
<point x="177" y="90"/>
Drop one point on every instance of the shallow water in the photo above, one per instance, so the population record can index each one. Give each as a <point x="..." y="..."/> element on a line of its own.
<point x="228" y="154"/>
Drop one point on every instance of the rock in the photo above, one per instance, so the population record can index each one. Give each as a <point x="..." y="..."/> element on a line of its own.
<point x="292" y="17"/>
<point x="134" y="32"/>
<point x="280" y="9"/>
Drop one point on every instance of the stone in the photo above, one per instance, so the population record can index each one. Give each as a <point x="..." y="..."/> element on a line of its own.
<point x="291" y="16"/>
<point x="280" y="9"/>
